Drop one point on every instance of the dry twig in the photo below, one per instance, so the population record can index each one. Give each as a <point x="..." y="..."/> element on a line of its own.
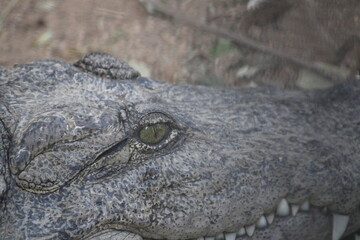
<point x="243" y="40"/>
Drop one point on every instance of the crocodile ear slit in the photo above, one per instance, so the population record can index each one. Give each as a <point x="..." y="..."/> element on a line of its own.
<point x="106" y="66"/>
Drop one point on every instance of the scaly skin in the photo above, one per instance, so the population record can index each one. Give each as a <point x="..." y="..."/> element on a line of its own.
<point x="76" y="166"/>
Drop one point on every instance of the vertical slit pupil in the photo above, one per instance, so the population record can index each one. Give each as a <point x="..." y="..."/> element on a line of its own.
<point x="154" y="133"/>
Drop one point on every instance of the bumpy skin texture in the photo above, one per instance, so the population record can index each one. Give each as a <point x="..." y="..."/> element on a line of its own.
<point x="106" y="66"/>
<point x="75" y="164"/>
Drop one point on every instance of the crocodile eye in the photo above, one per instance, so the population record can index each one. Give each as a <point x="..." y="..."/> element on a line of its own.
<point x="154" y="133"/>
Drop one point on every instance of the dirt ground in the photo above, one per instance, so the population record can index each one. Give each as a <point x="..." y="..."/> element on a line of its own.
<point x="321" y="31"/>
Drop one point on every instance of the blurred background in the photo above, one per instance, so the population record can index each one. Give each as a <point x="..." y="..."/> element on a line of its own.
<point x="322" y="33"/>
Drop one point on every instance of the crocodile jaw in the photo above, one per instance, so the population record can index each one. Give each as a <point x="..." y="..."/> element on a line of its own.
<point x="289" y="221"/>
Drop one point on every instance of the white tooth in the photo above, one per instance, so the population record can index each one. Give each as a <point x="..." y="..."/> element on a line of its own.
<point x="209" y="238"/>
<point x="270" y="218"/>
<point x="241" y="232"/>
<point x="250" y="230"/>
<point x="339" y="225"/>
<point x="261" y="223"/>
<point x="220" y="236"/>
<point x="283" y="208"/>
<point x="230" y="236"/>
<point x="305" y="206"/>
<point x="294" y="209"/>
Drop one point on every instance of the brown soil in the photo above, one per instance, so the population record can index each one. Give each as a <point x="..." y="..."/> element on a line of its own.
<point x="322" y="31"/>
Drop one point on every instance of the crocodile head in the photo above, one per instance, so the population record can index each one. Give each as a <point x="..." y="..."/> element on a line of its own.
<point x="93" y="151"/>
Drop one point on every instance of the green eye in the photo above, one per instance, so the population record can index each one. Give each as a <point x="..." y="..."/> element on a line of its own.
<point x="153" y="134"/>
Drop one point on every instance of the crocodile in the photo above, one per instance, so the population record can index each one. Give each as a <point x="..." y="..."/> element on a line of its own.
<point x="92" y="150"/>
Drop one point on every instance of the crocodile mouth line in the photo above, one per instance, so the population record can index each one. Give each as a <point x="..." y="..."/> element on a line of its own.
<point x="283" y="209"/>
